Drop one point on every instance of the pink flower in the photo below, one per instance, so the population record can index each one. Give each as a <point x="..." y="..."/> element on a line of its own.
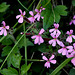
<point x="47" y="64"/>
<point x="20" y="16"/>
<point x="3" y="29"/>
<point x="65" y="49"/>
<point x="32" y="19"/>
<point x="55" y="30"/>
<point x="54" y="40"/>
<point x="38" y="39"/>
<point x="38" y="15"/>
<point x="72" y="55"/>
<point x="69" y="38"/>
<point x="72" y="21"/>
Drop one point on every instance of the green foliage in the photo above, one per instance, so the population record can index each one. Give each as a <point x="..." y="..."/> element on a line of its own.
<point x="3" y="7"/>
<point x="25" y="68"/>
<point x="51" y="14"/>
<point x="72" y="72"/>
<point x="73" y="2"/>
<point x="1" y="60"/>
<point x="7" y="41"/>
<point x="60" y="66"/>
<point x="16" y="59"/>
<point x="9" y="71"/>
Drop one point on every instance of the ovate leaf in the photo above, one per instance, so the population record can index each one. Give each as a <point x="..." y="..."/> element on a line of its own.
<point x="25" y="68"/>
<point x="9" y="71"/>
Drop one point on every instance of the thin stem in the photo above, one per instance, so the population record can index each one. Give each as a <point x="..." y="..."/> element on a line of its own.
<point x="38" y="5"/>
<point x="31" y="4"/>
<point x="22" y="5"/>
<point x="2" y="38"/>
<point x="25" y="44"/>
<point x="15" y="25"/>
<point x="34" y="60"/>
<point x="15" y="45"/>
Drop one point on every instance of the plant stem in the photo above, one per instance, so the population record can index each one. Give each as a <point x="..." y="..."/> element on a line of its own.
<point x="25" y="44"/>
<point x="22" y="5"/>
<point x="15" y="46"/>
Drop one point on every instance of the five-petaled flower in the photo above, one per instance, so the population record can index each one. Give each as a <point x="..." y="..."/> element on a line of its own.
<point x="32" y="19"/>
<point x="3" y="29"/>
<point x="72" y="21"/>
<point x="69" y="38"/>
<point x="64" y="49"/>
<point x="54" y="40"/>
<point x="47" y="64"/>
<point x="55" y="30"/>
<point x="38" y="39"/>
<point x="38" y="15"/>
<point x="20" y="16"/>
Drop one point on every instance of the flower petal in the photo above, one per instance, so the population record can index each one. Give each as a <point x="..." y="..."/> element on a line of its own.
<point x="20" y="20"/>
<point x="5" y="32"/>
<point x="69" y="39"/>
<point x="53" y="61"/>
<point x="41" y="31"/>
<point x="3" y="22"/>
<point x="51" y="57"/>
<point x="44" y="58"/>
<point x="18" y="16"/>
<point x="20" y="11"/>
<point x="33" y="37"/>
<point x="7" y="27"/>
<point x="51" y="30"/>
<point x="47" y="64"/>
<point x="31" y="13"/>
<point x="73" y="61"/>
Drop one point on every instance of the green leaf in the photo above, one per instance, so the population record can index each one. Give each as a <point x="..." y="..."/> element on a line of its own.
<point x="73" y="2"/>
<point x="6" y="50"/>
<point x="25" y="68"/>
<point x="60" y="66"/>
<point x="16" y="59"/>
<point x="3" y="7"/>
<point x="72" y="72"/>
<point x="9" y="71"/>
<point x="7" y="41"/>
<point x="49" y="15"/>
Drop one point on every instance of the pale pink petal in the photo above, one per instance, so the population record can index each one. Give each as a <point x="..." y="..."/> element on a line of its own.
<point x="24" y="13"/>
<point x="20" y="20"/>
<point x="74" y="45"/>
<point x="41" y="40"/>
<point x="51" y="57"/>
<point x="70" y="23"/>
<point x="54" y="32"/>
<point x="33" y="37"/>
<point x="71" y="31"/>
<point x="69" y="47"/>
<point x="53" y="61"/>
<point x="73" y="22"/>
<point x="18" y="16"/>
<point x="43" y="8"/>
<point x="1" y="28"/>
<point x="74" y="17"/>
<point x="20" y="11"/>
<point x="60" y="43"/>
<point x="50" y="42"/>
<point x="56" y="25"/>
<point x="73" y="36"/>
<point x="3" y="22"/>
<point x="54" y="43"/>
<point x="42" y="17"/>
<point x="52" y="35"/>
<point x="51" y="30"/>
<point x="38" y="18"/>
<point x="64" y="52"/>
<point x="69" y="39"/>
<point x="47" y="64"/>
<point x="69" y="55"/>
<point x="71" y="50"/>
<point x="1" y="32"/>
<point x="31" y="13"/>
<point x="7" y="27"/>
<point x="58" y="32"/>
<point x="67" y="32"/>
<point x="44" y="58"/>
<point x="5" y="32"/>
<point x="73" y="61"/>
<point x="36" y="10"/>
<point x="41" y="31"/>
<point x="31" y="19"/>
<point x="60" y="50"/>
<point x="36" y="40"/>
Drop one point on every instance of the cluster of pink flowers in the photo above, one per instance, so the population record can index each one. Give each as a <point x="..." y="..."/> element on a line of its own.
<point x="32" y="18"/>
